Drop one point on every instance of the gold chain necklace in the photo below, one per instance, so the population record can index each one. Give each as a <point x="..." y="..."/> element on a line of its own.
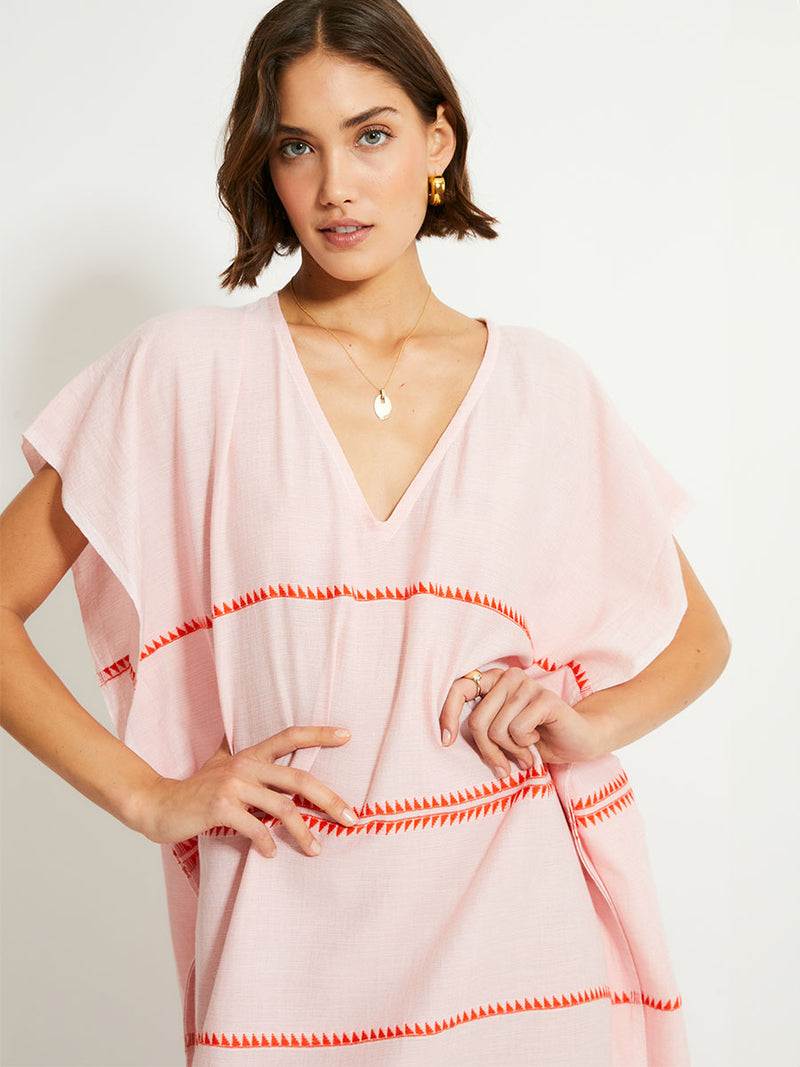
<point x="382" y="404"/>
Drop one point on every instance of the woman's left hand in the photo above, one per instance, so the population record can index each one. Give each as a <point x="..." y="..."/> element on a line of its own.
<point x="514" y="713"/>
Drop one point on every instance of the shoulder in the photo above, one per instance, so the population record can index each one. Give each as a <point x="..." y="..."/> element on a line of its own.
<point x="189" y="343"/>
<point x="544" y="362"/>
<point x="201" y="328"/>
<point x="527" y="353"/>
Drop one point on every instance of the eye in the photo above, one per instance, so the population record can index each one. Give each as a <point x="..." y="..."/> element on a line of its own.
<point x="374" y="137"/>
<point x="288" y="149"/>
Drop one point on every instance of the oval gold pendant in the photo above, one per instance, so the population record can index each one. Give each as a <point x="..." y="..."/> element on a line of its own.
<point x="382" y="405"/>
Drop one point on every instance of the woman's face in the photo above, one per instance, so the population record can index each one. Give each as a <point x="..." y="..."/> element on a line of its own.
<point x="352" y="150"/>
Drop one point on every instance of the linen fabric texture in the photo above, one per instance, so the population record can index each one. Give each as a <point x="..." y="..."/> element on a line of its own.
<point x="236" y="582"/>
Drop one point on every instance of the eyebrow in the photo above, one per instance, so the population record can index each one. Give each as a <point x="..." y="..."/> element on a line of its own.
<point x="346" y="124"/>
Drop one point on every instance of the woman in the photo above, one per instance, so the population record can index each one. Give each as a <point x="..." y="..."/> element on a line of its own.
<point x="348" y="507"/>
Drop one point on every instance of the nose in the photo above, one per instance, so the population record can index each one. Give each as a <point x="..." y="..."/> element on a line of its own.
<point x="337" y="180"/>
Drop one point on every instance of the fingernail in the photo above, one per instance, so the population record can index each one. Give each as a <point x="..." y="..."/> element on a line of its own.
<point x="446" y="737"/>
<point x="349" y="816"/>
<point x="315" y="847"/>
<point x="500" y="772"/>
<point x="342" y="733"/>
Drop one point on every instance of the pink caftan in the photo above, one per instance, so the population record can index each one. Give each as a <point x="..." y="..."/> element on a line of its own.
<point x="236" y="583"/>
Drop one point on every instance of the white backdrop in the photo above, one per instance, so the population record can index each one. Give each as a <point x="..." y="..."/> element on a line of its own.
<point x="643" y="160"/>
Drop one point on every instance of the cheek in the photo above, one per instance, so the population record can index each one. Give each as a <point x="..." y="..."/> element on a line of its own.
<point x="289" y="192"/>
<point x="407" y="183"/>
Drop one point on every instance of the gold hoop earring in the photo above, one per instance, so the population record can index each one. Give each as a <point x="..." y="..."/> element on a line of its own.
<point x="436" y="187"/>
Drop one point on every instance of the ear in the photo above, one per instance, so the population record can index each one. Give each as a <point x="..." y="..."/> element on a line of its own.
<point x="441" y="142"/>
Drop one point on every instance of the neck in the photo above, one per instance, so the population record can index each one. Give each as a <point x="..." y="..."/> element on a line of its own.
<point x="384" y="306"/>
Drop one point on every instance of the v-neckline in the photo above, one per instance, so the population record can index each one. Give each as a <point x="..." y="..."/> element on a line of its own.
<point x="425" y="471"/>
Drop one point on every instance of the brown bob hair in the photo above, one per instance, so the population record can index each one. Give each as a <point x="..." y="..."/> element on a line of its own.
<point x="380" y="33"/>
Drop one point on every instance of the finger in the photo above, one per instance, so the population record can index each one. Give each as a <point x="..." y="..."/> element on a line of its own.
<point x="294" y="737"/>
<point x="489" y="722"/>
<point x="461" y="692"/>
<point x="249" y="826"/>
<point x="285" y="810"/>
<point x="515" y="728"/>
<point x="293" y="780"/>
<point x="451" y="711"/>
<point x="478" y="722"/>
<point x="501" y="735"/>
<point x="523" y="730"/>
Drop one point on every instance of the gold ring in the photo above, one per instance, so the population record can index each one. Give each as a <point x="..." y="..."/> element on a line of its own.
<point x="475" y="676"/>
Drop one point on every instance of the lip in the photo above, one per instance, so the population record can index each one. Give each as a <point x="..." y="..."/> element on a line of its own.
<point x="346" y="240"/>
<point x="343" y="222"/>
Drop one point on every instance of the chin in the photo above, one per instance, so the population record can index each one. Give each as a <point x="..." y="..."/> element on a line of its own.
<point x="345" y="272"/>
<point x="347" y="267"/>
<point x="357" y="265"/>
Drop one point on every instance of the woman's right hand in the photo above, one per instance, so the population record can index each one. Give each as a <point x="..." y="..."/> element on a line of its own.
<point x="39" y="542"/>
<point x="226" y="786"/>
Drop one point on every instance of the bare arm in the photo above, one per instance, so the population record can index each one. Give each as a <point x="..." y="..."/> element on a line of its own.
<point x="517" y="712"/>
<point x="689" y="665"/>
<point x="38" y="544"/>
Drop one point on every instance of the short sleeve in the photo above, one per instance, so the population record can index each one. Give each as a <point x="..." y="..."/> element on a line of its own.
<point x="116" y="436"/>
<point x="81" y="433"/>
<point x="85" y="433"/>
<point x="611" y="512"/>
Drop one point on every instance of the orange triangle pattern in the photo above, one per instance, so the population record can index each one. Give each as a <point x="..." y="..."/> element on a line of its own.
<point x="203" y="622"/>
<point x="673" y="1004"/>
<point x="115" y="670"/>
<point x="614" y="807"/>
<point x="648" y="1001"/>
<point x="608" y="800"/>
<point x="602" y="793"/>
<point x="428" y="1029"/>
<point x="299" y="592"/>
<point x="421" y="813"/>
<point x="482" y="791"/>
<point x="188" y="856"/>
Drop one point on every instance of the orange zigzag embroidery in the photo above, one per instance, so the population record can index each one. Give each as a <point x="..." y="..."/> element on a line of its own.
<point x="387" y="817"/>
<point x="609" y="800"/>
<point x="187" y="853"/>
<point x="116" y="670"/>
<point x="427" y="1029"/>
<point x="299" y="592"/>
<point x="415" y="813"/>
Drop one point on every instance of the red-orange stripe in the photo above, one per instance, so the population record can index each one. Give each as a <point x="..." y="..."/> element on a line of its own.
<point x="420" y="813"/>
<point x="428" y="1029"/>
<point x="601" y="793"/>
<point x="614" y="807"/>
<point x="394" y="816"/>
<point x="299" y="592"/>
<point x="188" y="856"/>
<point x="117" y="669"/>
<point x="610" y="799"/>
